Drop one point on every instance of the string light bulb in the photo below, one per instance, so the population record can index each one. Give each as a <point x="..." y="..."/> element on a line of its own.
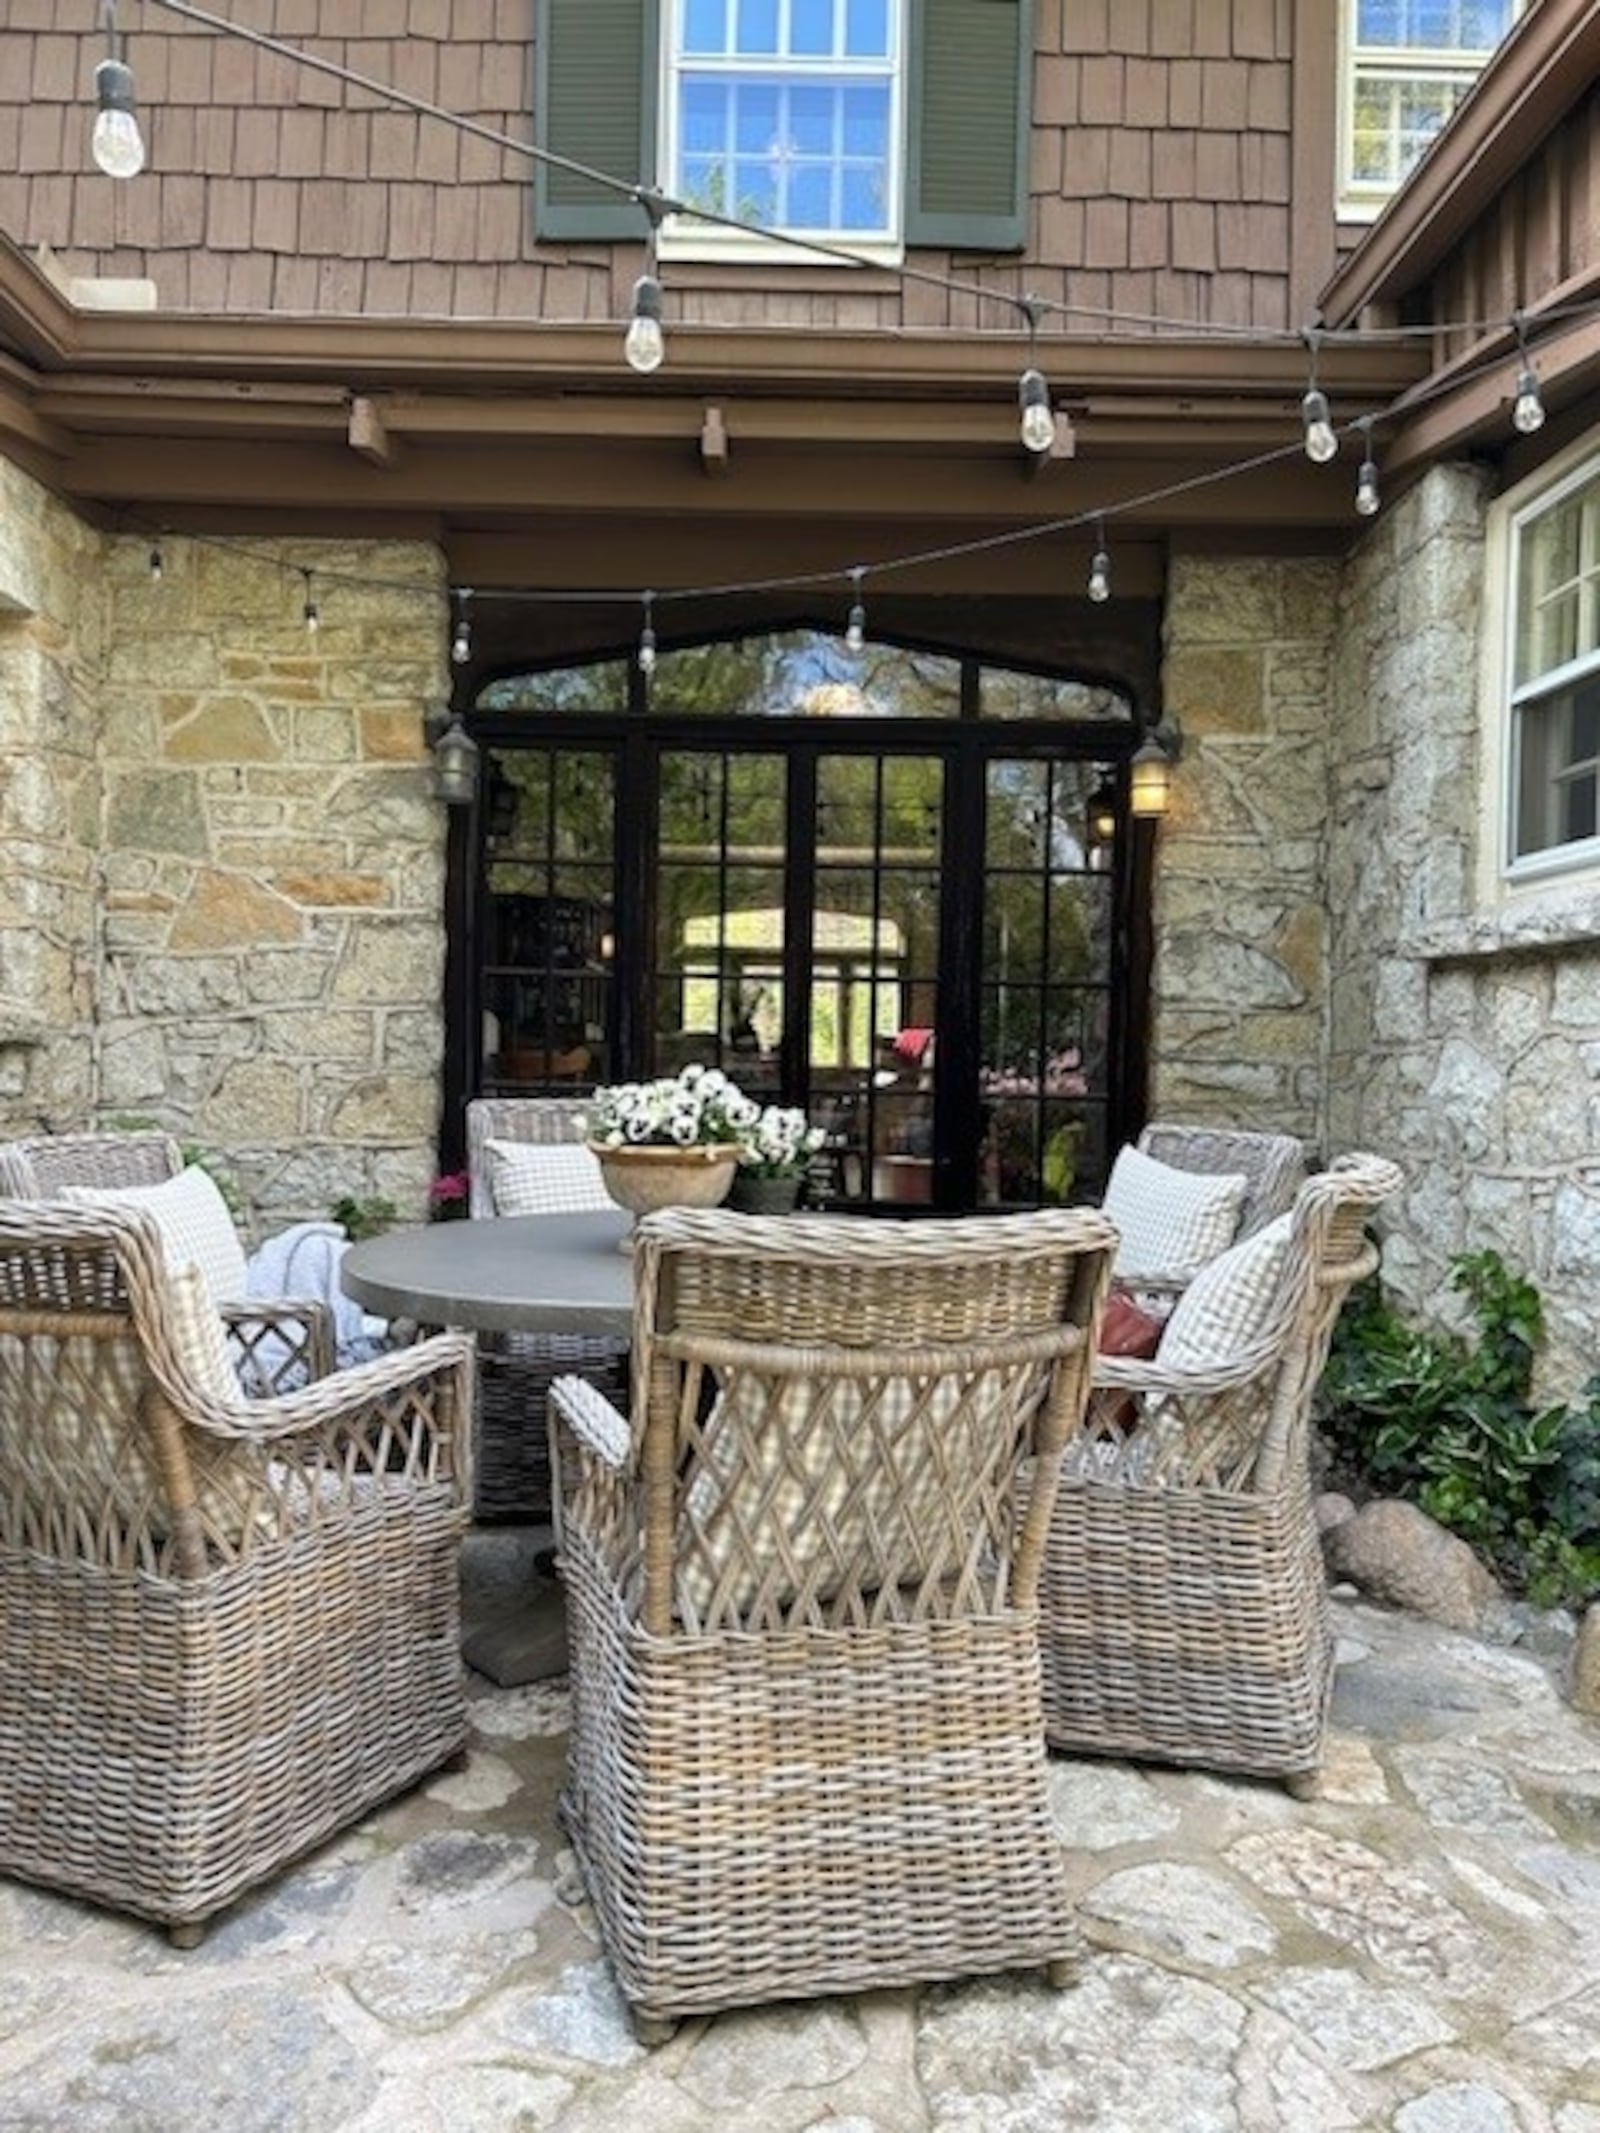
<point x="157" y="563"/>
<point x="647" y="638"/>
<point x="1368" y="501"/>
<point x="1322" y="443"/>
<point x="1038" y="417"/>
<point x="116" y="143"/>
<point x="855" y="629"/>
<point x="1100" y="566"/>
<point x="1527" y="406"/>
<point x="461" y="642"/>
<point x="1038" y="421"/>
<point x="311" y="614"/>
<point x="645" y="345"/>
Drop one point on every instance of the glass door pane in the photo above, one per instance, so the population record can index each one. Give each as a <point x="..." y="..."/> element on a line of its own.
<point x="716" y="962"/>
<point x="875" y="982"/>
<point x="1044" y="1013"/>
<point x="549" y="913"/>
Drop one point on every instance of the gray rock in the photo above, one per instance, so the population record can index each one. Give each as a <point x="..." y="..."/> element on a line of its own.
<point x="1357" y="2024"/>
<point x="1332" y="1509"/>
<point x="1462" y="2107"/>
<point x="1184" y="1911"/>
<point x="1393" y="1551"/>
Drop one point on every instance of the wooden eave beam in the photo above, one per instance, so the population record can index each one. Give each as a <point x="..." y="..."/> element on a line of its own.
<point x="1550" y="59"/>
<point x="1457" y="418"/>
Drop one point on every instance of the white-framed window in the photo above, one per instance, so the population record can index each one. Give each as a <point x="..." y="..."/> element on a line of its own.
<point x="787" y="114"/>
<point x="1407" y="65"/>
<point x="1551" y="663"/>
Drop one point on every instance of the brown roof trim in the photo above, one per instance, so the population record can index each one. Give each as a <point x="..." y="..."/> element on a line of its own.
<point x="1544" y="66"/>
<point x="262" y="351"/>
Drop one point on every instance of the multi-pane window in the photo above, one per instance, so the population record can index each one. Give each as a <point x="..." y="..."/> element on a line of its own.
<point x="1408" y="64"/>
<point x="786" y="114"/>
<point x="1555" y="680"/>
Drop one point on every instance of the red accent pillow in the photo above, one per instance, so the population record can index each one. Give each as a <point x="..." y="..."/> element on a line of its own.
<point x="1126" y="1329"/>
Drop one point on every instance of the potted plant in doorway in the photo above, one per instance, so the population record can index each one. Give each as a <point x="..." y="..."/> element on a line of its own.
<point x="773" y="1158"/>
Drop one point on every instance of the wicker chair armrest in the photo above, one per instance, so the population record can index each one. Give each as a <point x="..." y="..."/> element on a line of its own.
<point x="598" y="1427"/>
<point x="1126" y="1374"/>
<point x="304" y="1324"/>
<point x="346" y="1397"/>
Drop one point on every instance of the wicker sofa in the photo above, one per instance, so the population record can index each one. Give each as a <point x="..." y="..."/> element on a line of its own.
<point x="277" y="1343"/>
<point x="228" y="1628"/>
<point x="512" y="1460"/>
<point x="1184" y="1605"/>
<point x="807" y="1754"/>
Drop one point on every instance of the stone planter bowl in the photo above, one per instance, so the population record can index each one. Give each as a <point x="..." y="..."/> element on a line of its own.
<point x="641" y="1179"/>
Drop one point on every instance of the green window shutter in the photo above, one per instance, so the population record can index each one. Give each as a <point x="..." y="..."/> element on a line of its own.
<point x="596" y="80"/>
<point x="971" y="87"/>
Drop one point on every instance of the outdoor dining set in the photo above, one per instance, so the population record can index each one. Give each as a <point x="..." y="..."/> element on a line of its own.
<point x="854" y="1520"/>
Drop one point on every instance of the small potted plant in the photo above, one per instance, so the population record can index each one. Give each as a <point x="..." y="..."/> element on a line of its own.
<point x="670" y="1143"/>
<point x="773" y="1157"/>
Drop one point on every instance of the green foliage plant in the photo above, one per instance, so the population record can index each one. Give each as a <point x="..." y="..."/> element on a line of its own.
<point x="362" y="1217"/>
<point x="1449" y="1421"/>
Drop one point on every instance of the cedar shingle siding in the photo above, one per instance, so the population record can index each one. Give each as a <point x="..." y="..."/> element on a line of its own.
<point x="1159" y="168"/>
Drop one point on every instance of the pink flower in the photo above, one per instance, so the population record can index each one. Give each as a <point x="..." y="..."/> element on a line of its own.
<point x="452" y="1187"/>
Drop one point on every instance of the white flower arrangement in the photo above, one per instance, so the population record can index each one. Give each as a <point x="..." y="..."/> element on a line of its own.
<point x="697" y="1107"/>
<point x="701" y="1107"/>
<point x="779" y="1144"/>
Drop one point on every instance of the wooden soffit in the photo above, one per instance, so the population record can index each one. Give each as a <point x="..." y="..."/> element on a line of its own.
<point x="375" y="424"/>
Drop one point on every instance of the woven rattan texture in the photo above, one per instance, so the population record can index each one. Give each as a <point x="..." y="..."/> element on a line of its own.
<point x="515" y="1370"/>
<point x="807" y="1743"/>
<point x="1184" y="1608"/>
<point x="227" y="1627"/>
<point x="277" y="1344"/>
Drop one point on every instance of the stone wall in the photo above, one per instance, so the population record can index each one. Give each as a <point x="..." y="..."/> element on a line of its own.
<point x="274" y="863"/>
<point x="1464" y="1043"/>
<point x="1238" y="1031"/>
<point x="52" y="637"/>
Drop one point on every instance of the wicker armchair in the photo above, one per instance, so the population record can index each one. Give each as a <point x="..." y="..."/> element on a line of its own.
<point x="1184" y="1604"/>
<point x="807" y="1754"/>
<point x="512" y="1458"/>
<point x="228" y="1628"/>
<point x="278" y="1343"/>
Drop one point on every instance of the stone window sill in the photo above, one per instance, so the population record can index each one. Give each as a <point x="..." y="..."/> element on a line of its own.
<point x="17" y="1026"/>
<point x="1566" y="918"/>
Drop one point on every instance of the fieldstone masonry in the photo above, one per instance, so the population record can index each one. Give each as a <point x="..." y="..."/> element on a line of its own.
<point x="1462" y="1040"/>
<point x="233" y="910"/>
<point x="1322" y="966"/>
<point x="1241" y="957"/>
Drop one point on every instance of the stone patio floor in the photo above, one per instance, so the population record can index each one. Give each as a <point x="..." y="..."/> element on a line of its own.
<point x="1417" y="1949"/>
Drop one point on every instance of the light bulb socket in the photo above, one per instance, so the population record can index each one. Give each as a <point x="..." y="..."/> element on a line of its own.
<point x="113" y="86"/>
<point x="455" y="765"/>
<point x="647" y="298"/>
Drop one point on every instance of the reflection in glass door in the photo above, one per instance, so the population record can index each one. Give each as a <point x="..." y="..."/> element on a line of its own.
<point x="922" y="945"/>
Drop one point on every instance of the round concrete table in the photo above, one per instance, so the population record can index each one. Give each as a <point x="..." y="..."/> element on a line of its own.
<point x="519" y="1274"/>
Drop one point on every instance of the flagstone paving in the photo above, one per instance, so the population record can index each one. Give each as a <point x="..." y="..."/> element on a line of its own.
<point x="1416" y="1949"/>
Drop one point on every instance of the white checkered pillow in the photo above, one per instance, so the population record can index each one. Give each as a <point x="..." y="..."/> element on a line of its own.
<point x="1170" y="1222"/>
<point x="1230" y="1304"/>
<point x="192" y="1216"/>
<point x="533" y="1178"/>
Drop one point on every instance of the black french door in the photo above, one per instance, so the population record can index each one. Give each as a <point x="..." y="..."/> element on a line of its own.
<point x="913" y="933"/>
